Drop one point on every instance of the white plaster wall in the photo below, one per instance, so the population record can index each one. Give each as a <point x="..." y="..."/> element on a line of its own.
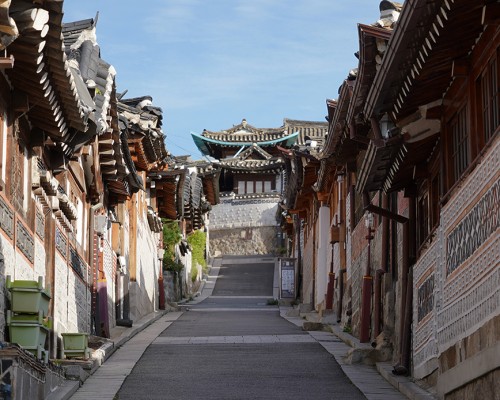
<point x="322" y="254"/>
<point x="144" y="292"/>
<point x="108" y="263"/>
<point x="307" y="270"/>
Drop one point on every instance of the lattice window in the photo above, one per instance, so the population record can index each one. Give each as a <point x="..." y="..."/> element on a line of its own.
<point x="77" y="264"/>
<point x="61" y="242"/>
<point x="426" y="297"/>
<point x="40" y="225"/>
<point x="428" y="201"/>
<point x="488" y="92"/>
<point x="6" y="219"/>
<point x="423" y="217"/>
<point x="459" y="128"/>
<point x="25" y="242"/>
<point x="16" y="172"/>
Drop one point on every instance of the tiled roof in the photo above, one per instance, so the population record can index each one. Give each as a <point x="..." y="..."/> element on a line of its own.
<point x="308" y="130"/>
<point x="143" y="121"/>
<point x="42" y="72"/>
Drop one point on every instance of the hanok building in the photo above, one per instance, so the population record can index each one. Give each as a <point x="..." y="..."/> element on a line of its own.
<point x="413" y="146"/>
<point x="251" y="183"/>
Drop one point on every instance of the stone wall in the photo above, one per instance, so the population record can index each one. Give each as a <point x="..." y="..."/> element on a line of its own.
<point x="244" y="211"/>
<point x="472" y="360"/>
<point x="244" y="225"/>
<point x="244" y="241"/>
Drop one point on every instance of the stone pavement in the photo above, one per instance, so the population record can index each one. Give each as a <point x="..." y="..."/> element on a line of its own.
<point x="376" y="382"/>
<point x="128" y="345"/>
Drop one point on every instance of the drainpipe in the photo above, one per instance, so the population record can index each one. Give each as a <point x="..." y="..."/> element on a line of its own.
<point x="377" y="306"/>
<point x="299" y="260"/>
<point x="380" y="272"/>
<point x="314" y="267"/>
<point x="95" y="326"/>
<point x="341" y="294"/>
<point x="331" y="281"/>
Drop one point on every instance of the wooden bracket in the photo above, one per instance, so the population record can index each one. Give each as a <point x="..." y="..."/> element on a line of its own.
<point x="7" y="62"/>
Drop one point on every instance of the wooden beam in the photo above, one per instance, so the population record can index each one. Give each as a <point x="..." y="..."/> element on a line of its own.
<point x="7" y="62"/>
<point x="491" y="14"/>
<point x="460" y="68"/>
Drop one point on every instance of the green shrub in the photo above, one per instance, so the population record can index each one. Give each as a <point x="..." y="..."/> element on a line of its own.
<point x="197" y="240"/>
<point x="171" y="237"/>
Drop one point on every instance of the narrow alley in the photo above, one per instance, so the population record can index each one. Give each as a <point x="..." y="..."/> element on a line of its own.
<point x="230" y="344"/>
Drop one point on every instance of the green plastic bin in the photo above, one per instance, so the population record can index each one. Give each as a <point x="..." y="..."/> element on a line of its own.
<point x="28" y="297"/>
<point x="76" y="345"/>
<point x="30" y="336"/>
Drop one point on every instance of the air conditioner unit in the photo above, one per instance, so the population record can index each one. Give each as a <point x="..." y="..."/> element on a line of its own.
<point x="100" y="224"/>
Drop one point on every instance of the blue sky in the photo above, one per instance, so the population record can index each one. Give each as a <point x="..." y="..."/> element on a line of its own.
<point x="209" y="64"/>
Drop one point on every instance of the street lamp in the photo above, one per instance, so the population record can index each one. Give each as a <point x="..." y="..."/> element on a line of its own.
<point x="364" y="335"/>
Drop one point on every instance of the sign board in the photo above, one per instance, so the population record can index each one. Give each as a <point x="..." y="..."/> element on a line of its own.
<point x="287" y="278"/>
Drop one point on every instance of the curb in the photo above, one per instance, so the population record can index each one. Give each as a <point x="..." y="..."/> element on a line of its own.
<point x="403" y="384"/>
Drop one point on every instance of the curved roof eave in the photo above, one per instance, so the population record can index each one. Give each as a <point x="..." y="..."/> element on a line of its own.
<point x="201" y="142"/>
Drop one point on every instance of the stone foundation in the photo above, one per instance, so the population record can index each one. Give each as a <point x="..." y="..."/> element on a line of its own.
<point x="244" y="241"/>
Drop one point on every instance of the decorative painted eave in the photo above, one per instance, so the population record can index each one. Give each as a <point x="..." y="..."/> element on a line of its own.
<point x="254" y="149"/>
<point x="203" y="143"/>
<point x="42" y="71"/>
<point x="428" y="44"/>
<point x="249" y="132"/>
<point x="252" y="166"/>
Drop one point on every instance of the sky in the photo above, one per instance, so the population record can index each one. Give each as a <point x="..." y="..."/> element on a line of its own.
<point x="210" y="64"/>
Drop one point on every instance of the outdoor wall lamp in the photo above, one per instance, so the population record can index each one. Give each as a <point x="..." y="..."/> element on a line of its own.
<point x="369" y="220"/>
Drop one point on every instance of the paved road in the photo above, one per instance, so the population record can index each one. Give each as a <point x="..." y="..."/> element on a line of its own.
<point x="235" y="346"/>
